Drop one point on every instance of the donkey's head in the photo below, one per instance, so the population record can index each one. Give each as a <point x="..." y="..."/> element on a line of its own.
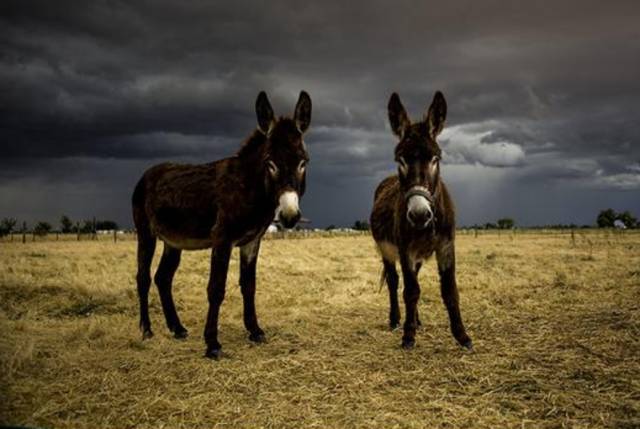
<point x="285" y="155"/>
<point x="418" y="157"/>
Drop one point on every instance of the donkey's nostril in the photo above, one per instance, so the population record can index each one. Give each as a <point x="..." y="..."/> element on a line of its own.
<point x="419" y="218"/>
<point x="289" y="221"/>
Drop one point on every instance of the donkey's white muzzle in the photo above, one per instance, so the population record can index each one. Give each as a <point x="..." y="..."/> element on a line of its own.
<point x="419" y="211"/>
<point x="288" y="211"/>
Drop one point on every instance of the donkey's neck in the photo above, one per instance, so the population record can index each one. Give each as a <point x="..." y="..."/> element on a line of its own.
<point x="250" y="169"/>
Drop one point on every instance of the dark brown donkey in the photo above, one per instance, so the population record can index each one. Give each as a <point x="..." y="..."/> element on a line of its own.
<point x="226" y="203"/>
<point x="413" y="216"/>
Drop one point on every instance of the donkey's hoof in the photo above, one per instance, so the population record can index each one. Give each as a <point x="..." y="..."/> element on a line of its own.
<point x="180" y="333"/>
<point x="258" y="338"/>
<point x="147" y="334"/>
<point x="408" y="344"/>
<point x="394" y="326"/>
<point x="468" y="345"/>
<point x="213" y="353"/>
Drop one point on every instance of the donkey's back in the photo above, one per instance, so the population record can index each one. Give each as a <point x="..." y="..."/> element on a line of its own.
<point x="178" y="203"/>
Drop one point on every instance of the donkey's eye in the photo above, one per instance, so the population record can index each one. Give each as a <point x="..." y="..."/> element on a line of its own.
<point x="302" y="166"/>
<point x="402" y="166"/>
<point x="273" y="168"/>
<point x="433" y="166"/>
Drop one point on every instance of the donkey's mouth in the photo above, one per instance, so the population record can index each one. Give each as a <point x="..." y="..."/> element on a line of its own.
<point x="288" y="211"/>
<point x="290" y="222"/>
<point x="420" y="226"/>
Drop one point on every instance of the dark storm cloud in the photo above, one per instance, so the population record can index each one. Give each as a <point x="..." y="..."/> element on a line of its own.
<point x="539" y="96"/>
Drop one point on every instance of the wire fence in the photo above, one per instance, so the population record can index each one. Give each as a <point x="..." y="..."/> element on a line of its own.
<point x="118" y="236"/>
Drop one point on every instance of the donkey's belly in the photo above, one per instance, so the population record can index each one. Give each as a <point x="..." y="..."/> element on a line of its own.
<point x="420" y="250"/>
<point x="184" y="228"/>
<point x="186" y="243"/>
<point x="389" y="251"/>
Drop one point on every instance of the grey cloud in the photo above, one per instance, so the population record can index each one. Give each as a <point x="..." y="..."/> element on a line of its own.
<point x="468" y="144"/>
<point x="539" y="97"/>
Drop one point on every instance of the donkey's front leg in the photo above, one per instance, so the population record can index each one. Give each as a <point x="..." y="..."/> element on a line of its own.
<point x="248" y="262"/>
<point x="215" y="292"/>
<point x="446" y="256"/>
<point x="411" y="294"/>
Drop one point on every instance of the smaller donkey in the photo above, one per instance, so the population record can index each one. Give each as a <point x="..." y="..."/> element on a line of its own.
<point x="413" y="216"/>
<point x="219" y="205"/>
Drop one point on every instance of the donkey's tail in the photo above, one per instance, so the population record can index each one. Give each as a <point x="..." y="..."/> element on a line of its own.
<point x="383" y="276"/>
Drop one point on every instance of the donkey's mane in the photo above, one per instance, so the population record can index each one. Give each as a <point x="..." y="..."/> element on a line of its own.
<point x="251" y="144"/>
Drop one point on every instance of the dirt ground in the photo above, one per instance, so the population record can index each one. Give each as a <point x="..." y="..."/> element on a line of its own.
<point x="555" y="322"/>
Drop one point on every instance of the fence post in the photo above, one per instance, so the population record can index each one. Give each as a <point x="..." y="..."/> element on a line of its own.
<point x="115" y="236"/>
<point x="78" y="231"/>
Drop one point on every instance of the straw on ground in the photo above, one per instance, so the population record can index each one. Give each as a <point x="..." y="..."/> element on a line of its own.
<point x="555" y="322"/>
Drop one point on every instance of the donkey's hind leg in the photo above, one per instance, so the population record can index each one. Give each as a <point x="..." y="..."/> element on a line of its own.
<point x="418" y="321"/>
<point x="391" y="276"/>
<point x="146" y="247"/>
<point x="164" y="280"/>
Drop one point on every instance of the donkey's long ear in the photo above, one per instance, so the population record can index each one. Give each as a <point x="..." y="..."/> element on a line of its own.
<point x="264" y="111"/>
<point x="302" y="114"/>
<point x="398" y="118"/>
<point x="436" y="115"/>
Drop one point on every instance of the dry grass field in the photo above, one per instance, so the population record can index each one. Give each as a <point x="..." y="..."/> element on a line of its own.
<point x="555" y="323"/>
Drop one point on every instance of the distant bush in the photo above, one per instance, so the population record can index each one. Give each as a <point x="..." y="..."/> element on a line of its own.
<point x="42" y="228"/>
<point x="607" y="218"/>
<point x="361" y="225"/>
<point x="506" y="223"/>
<point x="106" y="225"/>
<point x="7" y="226"/>
<point x="66" y="225"/>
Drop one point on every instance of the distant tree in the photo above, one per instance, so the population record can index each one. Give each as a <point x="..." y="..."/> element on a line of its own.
<point x="66" y="225"/>
<point x="506" y="223"/>
<point x="490" y="225"/>
<point x="7" y="225"/>
<point x="361" y="225"/>
<point x="106" y="225"/>
<point x="330" y="227"/>
<point x="606" y="218"/>
<point x="42" y="228"/>
<point x="628" y="219"/>
<point x="87" y="227"/>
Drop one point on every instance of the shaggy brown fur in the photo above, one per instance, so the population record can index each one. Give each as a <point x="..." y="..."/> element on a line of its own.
<point x="413" y="217"/>
<point x="226" y="203"/>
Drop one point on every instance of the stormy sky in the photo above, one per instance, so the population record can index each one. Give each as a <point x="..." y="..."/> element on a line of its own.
<point x="543" y="121"/>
